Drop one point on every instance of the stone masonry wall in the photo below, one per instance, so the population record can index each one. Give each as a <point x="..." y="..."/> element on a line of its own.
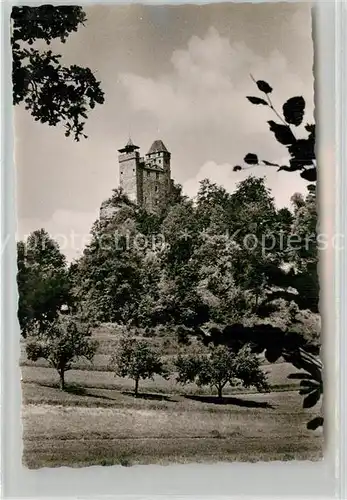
<point x="146" y="181"/>
<point x="128" y="176"/>
<point x="155" y="189"/>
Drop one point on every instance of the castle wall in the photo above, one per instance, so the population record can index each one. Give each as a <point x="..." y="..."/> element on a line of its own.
<point x="155" y="189"/>
<point x="139" y="181"/>
<point x="128" y="176"/>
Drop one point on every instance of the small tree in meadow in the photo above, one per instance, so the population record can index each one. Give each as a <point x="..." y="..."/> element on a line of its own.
<point x="219" y="367"/>
<point x="63" y="341"/>
<point x="137" y="359"/>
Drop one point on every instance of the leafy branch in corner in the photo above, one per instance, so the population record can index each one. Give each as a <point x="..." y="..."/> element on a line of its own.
<point x="301" y="151"/>
<point x="302" y="159"/>
<point x="51" y="92"/>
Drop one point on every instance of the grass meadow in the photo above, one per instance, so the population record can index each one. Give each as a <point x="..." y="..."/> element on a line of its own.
<point x="97" y="421"/>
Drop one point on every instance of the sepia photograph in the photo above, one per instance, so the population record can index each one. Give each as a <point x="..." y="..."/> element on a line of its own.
<point x="167" y="234"/>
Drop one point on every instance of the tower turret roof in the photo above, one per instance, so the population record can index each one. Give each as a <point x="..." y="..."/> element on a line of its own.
<point x="157" y="147"/>
<point x="129" y="147"/>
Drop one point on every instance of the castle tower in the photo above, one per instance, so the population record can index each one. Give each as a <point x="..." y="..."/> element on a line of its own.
<point x="146" y="180"/>
<point x="156" y="177"/>
<point x="159" y="155"/>
<point x="130" y="178"/>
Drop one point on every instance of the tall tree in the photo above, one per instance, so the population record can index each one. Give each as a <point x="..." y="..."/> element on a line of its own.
<point x="51" y="92"/>
<point x="107" y="278"/>
<point x="43" y="282"/>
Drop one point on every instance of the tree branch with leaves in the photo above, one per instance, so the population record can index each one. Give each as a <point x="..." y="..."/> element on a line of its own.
<point x="301" y="151"/>
<point x="302" y="158"/>
<point x="51" y="92"/>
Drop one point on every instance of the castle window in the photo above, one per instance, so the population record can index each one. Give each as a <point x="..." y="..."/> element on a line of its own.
<point x="157" y="175"/>
<point x="156" y="188"/>
<point x="148" y="173"/>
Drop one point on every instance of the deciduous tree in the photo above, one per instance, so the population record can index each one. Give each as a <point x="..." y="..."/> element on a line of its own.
<point x="51" y="92"/>
<point x="137" y="359"/>
<point x="43" y="281"/>
<point x="221" y="366"/>
<point x="61" y="342"/>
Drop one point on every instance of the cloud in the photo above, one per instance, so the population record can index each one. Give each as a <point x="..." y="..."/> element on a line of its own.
<point x="208" y="84"/>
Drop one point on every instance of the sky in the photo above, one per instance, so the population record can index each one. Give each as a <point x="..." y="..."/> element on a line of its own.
<point x="177" y="73"/>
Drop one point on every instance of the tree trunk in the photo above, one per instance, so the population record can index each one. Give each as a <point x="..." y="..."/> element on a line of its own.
<point x="62" y="379"/>
<point x="220" y="389"/>
<point x="136" y="387"/>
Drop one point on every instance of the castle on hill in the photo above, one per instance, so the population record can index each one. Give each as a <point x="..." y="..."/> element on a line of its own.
<point x="146" y="180"/>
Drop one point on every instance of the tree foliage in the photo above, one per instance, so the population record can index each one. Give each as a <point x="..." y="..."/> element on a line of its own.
<point x="202" y="270"/>
<point x="107" y="277"/>
<point x="138" y="360"/>
<point x="51" y="92"/>
<point x="303" y="274"/>
<point x="61" y="342"/>
<point x="43" y="281"/>
<point x="221" y="366"/>
<point x="301" y="151"/>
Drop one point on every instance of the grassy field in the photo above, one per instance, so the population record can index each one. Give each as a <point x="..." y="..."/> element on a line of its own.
<point x="97" y="421"/>
<point x="104" y="427"/>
